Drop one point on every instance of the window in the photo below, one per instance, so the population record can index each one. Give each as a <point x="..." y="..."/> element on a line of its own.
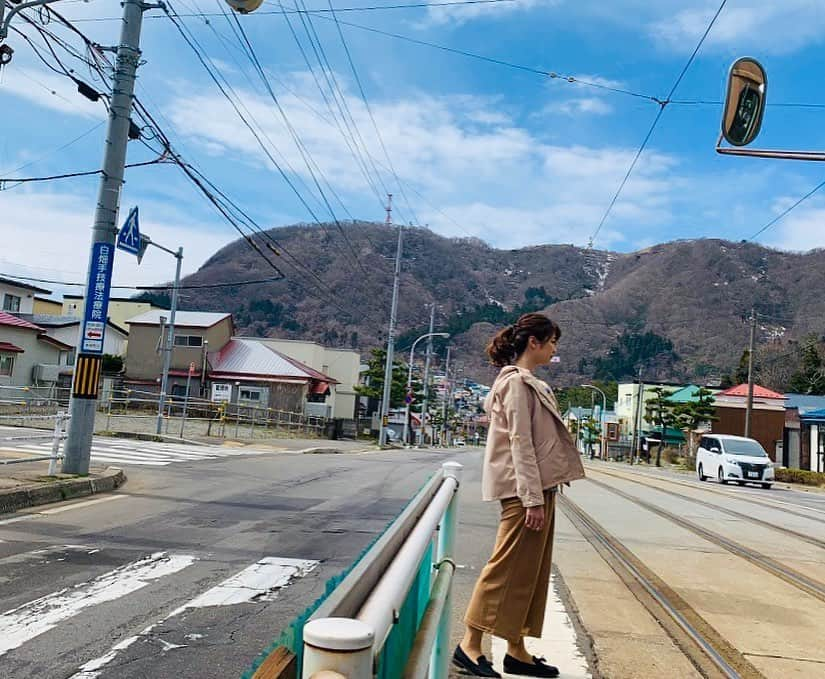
<point x="188" y="341"/>
<point x="11" y="303"/>
<point x="251" y="394"/>
<point x="6" y="364"/>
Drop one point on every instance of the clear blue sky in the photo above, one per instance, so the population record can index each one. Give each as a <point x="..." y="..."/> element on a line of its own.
<point x="507" y="155"/>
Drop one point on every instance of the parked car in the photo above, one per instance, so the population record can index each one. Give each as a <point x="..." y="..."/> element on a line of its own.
<point x="459" y="442"/>
<point x="733" y="458"/>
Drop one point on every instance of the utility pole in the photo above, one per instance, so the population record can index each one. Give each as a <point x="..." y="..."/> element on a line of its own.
<point x="422" y="429"/>
<point x="385" y="400"/>
<point x="169" y="344"/>
<point x="637" y="417"/>
<point x="96" y="299"/>
<point x="447" y="392"/>
<point x="749" y="406"/>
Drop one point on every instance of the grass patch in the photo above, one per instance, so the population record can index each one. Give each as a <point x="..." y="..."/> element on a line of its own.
<point x="803" y="476"/>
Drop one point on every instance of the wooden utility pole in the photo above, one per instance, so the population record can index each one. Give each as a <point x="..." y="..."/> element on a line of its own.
<point x="749" y="407"/>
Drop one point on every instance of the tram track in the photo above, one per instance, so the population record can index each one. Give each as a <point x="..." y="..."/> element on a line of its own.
<point x="712" y="655"/>
<point x="724" y="510"/>
<point x="712" y="488"/>
<point x="793" y="577"/>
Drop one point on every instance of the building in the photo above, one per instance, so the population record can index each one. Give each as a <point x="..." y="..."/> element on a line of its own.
<point x="812" y="453"/>
<point x="796" y="407"/>
<point x="767" y="417"/>
<point x="43" y="305"/>
<point x="17" y="297"/>
<point x="28" y="356"/>
<point x="66" y="329"/>
<point x="342" y="365"/>
<point x="196" y="334"/>
<point x="121" y="309"/>
<point x="249" y="372"/>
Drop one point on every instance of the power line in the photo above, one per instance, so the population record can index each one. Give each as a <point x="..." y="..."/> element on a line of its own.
<point x="785" y="212"/>
<point x="500" y="62"/>
<point x="197" y="286"/>
<point x="57" y="150"/>
<point x="24" y="180"/>
<point x="370" y="8"/>
<point x="662" y="105"/>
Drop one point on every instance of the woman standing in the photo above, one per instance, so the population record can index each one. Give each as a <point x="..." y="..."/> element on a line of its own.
<point x="529" y="453"/>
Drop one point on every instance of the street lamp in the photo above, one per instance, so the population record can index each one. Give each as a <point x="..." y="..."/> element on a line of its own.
<point x="601" y="418"/>
<point x="408" y="395"/>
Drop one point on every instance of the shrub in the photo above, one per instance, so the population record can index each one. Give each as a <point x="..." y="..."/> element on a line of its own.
<point x="802" y="476"/>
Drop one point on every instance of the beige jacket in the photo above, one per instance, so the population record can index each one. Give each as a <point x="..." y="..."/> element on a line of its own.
<point x="528" y="447"/>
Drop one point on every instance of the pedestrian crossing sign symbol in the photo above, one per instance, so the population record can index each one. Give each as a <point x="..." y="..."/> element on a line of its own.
<point x="128" y="238"/>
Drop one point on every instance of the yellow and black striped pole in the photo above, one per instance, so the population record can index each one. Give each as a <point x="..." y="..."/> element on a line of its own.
<point x="86" y="376"/>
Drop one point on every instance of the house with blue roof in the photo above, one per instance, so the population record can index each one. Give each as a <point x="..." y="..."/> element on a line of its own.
<point x="804" y="438"/>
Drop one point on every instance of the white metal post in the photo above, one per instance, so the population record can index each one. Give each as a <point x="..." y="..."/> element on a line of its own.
<point x="445" y="549"/>
<point x="58" y="436"/>
<point x="341" y="645"/>
<point x="422" y="429"/>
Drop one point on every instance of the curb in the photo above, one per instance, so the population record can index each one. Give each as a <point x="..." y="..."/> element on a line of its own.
<point x="330" y="451"/>
<point x="162" y="438"/>
<point x="57" y="491"/>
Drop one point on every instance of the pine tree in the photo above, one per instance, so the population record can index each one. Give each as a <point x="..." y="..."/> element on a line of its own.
<point x="810" y="378"/>
<point x="691" y="415"/>
<point x="660" y="411"/>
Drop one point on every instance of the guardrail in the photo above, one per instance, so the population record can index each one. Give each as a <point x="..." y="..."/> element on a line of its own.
<point x="389" y="617"/>
<point x="56" y="438"/>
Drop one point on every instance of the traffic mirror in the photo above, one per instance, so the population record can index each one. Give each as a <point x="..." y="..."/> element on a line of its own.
<point x="244" y="6"/>
<point x="744" y="102"/>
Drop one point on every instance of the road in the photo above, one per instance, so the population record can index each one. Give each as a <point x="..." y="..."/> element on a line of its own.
<point x="192" y="568"/>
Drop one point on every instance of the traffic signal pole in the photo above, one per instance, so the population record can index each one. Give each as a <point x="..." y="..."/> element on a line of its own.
<point x="96" y="299"/>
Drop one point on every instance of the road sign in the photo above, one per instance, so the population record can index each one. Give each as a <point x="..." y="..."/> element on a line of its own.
<point x="128" y="238"/>
<point x="409" y="398"/>
<point x="97" y="299"/>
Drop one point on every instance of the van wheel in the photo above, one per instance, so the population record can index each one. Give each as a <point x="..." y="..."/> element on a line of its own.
<point x="721" y="476"/>
<point x="701" y="473"/>
<point x="766" y="486"/>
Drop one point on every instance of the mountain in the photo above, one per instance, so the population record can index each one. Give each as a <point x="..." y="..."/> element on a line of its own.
<point x="679" y="308"/>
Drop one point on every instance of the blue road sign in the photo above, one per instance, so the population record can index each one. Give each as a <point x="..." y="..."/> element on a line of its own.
<point x="128" y="238"/>
<point x="97" y="299"/>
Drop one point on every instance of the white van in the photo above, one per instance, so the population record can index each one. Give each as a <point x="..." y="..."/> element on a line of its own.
<point x="733" y="458"/>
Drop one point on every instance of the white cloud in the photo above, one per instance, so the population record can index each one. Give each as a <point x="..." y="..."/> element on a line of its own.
<point x="778" y="28"/>
<point x="581" y="106"/>
<point x="437" y="16"/>
<point x="47" y="235"/>
<point x="801" y="230"/>
<point x="48" y="90"/>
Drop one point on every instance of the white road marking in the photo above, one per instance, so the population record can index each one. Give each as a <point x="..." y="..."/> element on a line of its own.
<point x="85" y="503"/>
<point x="66" y="508"/>
<point x="557" y="644"/>
<point x="259" y="582"/>
<point x="36" y="617"/>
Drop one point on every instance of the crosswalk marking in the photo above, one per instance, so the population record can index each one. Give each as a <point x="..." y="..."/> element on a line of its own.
<point x="259" y="582"/>
<point x="141" y="454"/>
<point x="36" y="617"/>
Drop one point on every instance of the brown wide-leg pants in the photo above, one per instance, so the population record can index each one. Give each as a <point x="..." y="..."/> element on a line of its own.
<point x="510" y="596"/>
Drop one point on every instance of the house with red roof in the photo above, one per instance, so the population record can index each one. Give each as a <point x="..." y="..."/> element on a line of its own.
<point x="28" y="356"/>
<point x="767" y="417"/>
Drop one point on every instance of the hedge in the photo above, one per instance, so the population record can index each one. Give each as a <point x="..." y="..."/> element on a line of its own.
<point x="802" y="476"/>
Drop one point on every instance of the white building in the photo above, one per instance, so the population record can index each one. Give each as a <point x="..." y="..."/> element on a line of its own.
<point x="17" y="297"/>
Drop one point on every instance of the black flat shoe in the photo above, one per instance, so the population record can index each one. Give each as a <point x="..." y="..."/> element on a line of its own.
<point x="481" y="668"/>
<point x="537" y="668"/>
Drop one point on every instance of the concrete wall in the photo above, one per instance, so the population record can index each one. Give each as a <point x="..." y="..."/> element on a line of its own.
<point x="34" y="352"/>
<point x="26" y="297"/>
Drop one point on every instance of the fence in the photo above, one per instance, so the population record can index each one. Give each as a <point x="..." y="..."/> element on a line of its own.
<point x="56" y="437"/>
<point x="389" y="617"/>
<point x="136" y="411"/>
